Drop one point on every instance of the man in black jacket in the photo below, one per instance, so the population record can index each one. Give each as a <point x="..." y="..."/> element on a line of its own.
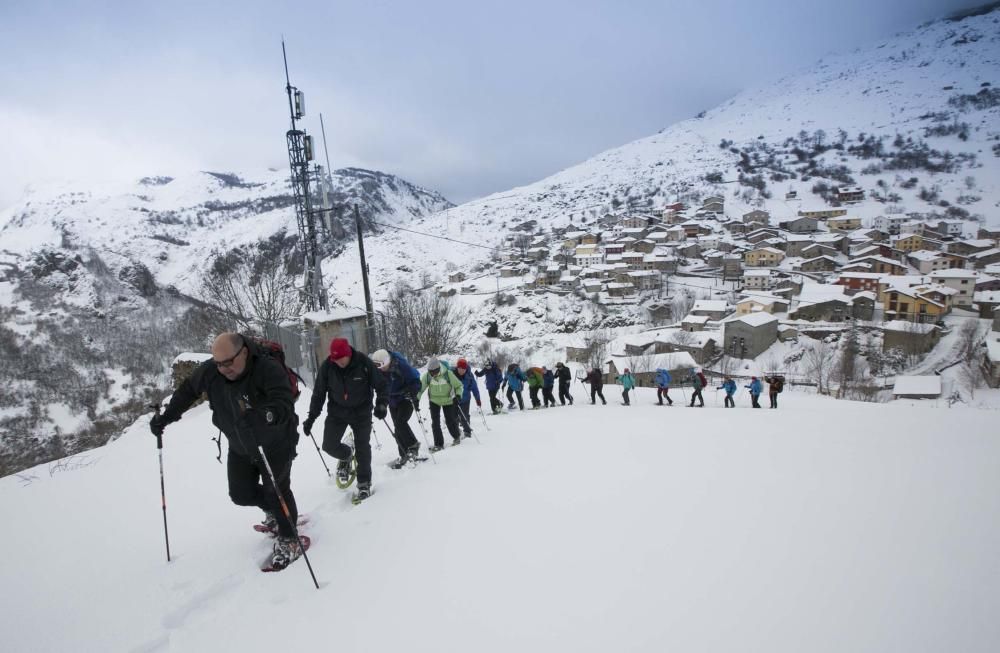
<point x="251" y="401"/>
<point x="596" y="381"/>
<point x="562" y="373"/>
<point x="347" y="383"/>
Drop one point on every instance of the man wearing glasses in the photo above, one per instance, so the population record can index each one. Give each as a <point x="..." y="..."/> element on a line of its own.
<point x="251" y="402"/>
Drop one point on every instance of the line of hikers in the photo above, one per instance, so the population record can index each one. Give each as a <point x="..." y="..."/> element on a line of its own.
<point x="252" y="397"/>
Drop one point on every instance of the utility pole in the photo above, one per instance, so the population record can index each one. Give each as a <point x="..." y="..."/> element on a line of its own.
<point x="300" y="153"/>
<point x="369" y="309"/>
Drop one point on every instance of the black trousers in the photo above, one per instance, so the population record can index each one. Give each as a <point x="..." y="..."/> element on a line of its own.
<point x="547" y="397"/>
<point x="401" y="414"/>
<point x="450" y="420"/>
<point x="510" y="398"/>
<point x="249" y="484"/>
<point x="495" y="403"/>
<point x="463" y="417"/>
<point x="534" y="396"/>
<point x="664" y="393"/>
<point x="564" y="394"/>
<point x="625" y="396"/>
<point x="729" y="401"/>
<point x="774" y="399"/>
<point x="696" y="394"/>
<point x="595" y="392"/>
<point x="753" y="400"/>
<point x="361" y="426"/>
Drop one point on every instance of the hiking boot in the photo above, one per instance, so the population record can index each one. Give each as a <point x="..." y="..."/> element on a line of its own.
<point x="364" y="491"/>
<point x="270" y="522"/>
<point x="412" y="452"/>
<point x="456" y="441"/>
<point x="286" y="551"/>
<point x="435" y="449"/>
<point x="344" y="470"/>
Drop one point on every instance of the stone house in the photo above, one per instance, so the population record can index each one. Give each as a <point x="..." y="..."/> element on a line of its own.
<point x="748" y="336"/>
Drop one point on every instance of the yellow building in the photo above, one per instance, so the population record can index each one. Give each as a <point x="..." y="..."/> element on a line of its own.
<point x="763" y="256"/>
<point x="843" y="224"/>
<point x="907" y="243"/>
<point x="911" y="306"/>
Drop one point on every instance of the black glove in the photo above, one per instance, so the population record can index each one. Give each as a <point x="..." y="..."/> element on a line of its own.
<point x="157" y="424"/>
<point x="380" y="411"/>
<point x="307" y="426"/>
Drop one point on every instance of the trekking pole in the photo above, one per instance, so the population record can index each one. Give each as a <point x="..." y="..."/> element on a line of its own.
<point x="281" y="500"/>
<point x="466" y="422"/>
<point x="389" y="428"/>
<point x="378" y="445"/>
<point x="163" y="490"/>
<point x="483" y="415"/>
<point x="320" y="453"/>
<point x="423" y="431"/>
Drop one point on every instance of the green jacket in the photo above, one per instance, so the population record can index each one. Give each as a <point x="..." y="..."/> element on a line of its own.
<point x="535" y="379"/>
<point x="443" y="388"/>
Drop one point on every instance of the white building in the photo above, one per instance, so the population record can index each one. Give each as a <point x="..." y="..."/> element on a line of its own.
<point x="964" y="281"/>
<point x="756" y="279"/>
<point x="890" y="224"/>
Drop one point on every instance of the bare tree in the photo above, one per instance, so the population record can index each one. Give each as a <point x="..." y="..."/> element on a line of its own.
<point x="847" y="372"/>
<point x="819" y="361"/>
<point x="970" y="377"/>
<point x="252" y="290"/>
<point x="683" y="338"/>
<point x="597" y="345"/>
<point x="682" y="304"/>
<point x="423" y="324"/>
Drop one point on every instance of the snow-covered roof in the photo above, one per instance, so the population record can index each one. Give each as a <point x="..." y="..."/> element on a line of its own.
<point x="335" y="314"/>
<point x="756" y="273"/>
<point x="925" y="255"/>
<point x="763" y="300"/>
<point x="908" y="327"/>
<point x="754" y="319"/>
<point x="987" y="296"/>
<point x="695" y="319"/>
<point x="861" y="275"/>
<point x="191" y="357"/>
<point x="993" y="350"/>
<point x="712" y="305"/>
<point x="956" y="273"/>
<point x="673" y="361"/>
<point x="864" y="294"/>
<point x="917" y="385"/>
<point x="989" y="252"/>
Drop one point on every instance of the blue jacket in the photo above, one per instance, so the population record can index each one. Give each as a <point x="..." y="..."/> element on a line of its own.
<point x="729" y="386"/>
<point x="662" y="378"/>
<point x="755" y="387"/>
<point x="469" y="385"/>
<point x="494" y="377"/>
<point x="628" y="381"/>
<point x="515" y="379"/>
<point x="548" y="379"/>
<point x="404" y="381"/>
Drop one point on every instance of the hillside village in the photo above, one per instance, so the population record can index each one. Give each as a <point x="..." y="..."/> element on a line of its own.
<point x="812" y="272"/>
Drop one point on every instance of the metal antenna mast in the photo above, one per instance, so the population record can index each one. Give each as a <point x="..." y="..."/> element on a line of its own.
<point x="300" y="153"/>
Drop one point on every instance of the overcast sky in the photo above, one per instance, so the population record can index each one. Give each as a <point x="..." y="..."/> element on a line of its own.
<point x="467" y="98"/>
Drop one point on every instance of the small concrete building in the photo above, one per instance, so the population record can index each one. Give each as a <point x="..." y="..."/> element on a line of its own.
<point x="748" y="336"/>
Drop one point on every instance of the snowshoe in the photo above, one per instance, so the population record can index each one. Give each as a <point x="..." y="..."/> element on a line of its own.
<point x="347" y="471"/>
<point x="286" y="551"/>
<point x="364" y="491"/>
<point x="456" y="441"/>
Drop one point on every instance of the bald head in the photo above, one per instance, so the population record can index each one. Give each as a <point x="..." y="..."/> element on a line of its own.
<point x="229" y="353"/>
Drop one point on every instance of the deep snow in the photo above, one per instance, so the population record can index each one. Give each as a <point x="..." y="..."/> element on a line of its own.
<point x="583" y="528"/>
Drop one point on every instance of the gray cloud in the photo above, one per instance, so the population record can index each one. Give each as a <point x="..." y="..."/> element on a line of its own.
<point x="460" y="97"/>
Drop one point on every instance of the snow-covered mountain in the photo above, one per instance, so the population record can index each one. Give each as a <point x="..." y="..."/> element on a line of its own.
<point x="914" y="120"/>
<point x="93" y="287"/>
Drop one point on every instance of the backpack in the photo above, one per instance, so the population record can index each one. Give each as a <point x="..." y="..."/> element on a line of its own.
<point x="781" y="383"/>
<point x="276" y="351"/>
<point x="704" y="382"/>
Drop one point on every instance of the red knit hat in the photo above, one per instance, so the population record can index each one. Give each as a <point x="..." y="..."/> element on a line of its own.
<point x="462" y="363"/>
<point x="339" y="348"/>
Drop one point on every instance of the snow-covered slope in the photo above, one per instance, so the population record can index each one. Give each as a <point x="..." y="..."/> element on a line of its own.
<point x="584" y="528"/>
<point x="914" y="120"/>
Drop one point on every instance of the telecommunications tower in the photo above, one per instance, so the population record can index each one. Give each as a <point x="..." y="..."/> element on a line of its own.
<point x="300" y="153"/>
